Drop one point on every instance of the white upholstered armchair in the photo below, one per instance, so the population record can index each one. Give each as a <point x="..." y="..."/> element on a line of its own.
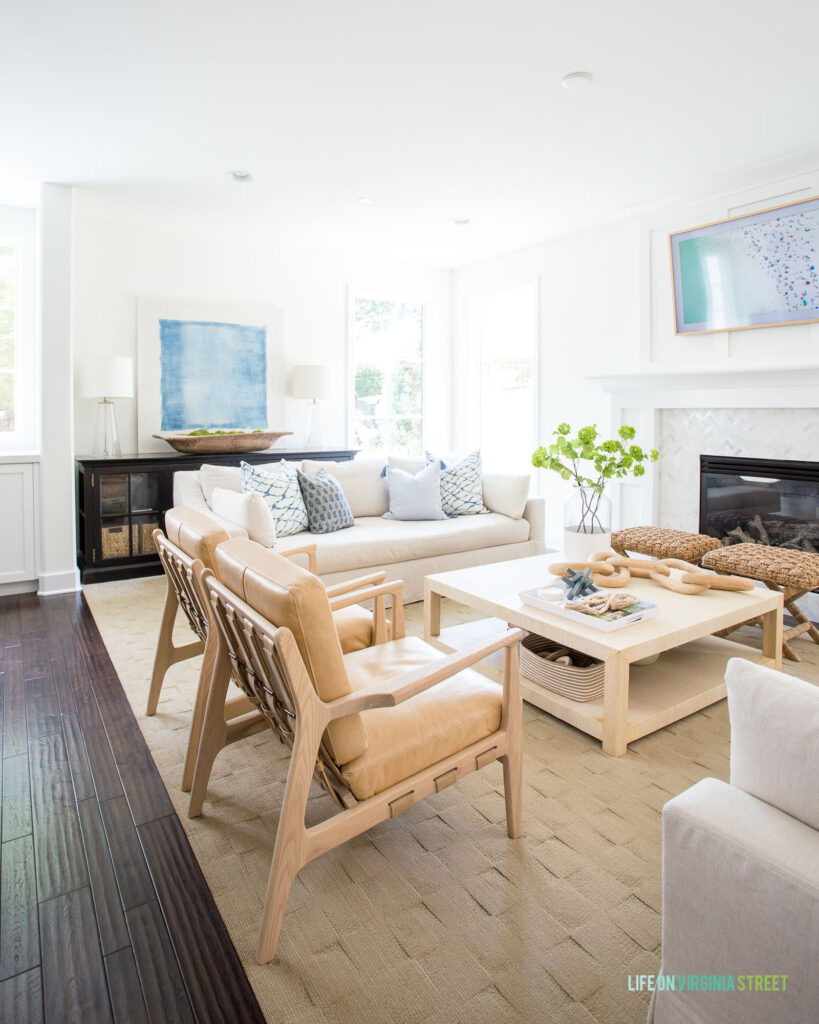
<point x="741" y="867"/>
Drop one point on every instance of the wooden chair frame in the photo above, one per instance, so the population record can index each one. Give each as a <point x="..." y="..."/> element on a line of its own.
<point x="218" y="722"/>
<point x="268" y="667"/>
<point x="182" y="575"/>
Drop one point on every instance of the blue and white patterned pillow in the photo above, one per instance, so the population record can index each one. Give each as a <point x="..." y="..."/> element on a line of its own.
<point x="462" y="486"/>
<point x="327" y="507"/>
<point x="279" y="486"/>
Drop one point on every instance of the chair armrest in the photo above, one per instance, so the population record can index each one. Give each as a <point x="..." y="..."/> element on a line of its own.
<point x="307" y="549"/>
<point x="338" y="589"/>
<point x="410" y="684"/>
<point x="395" y="587"/>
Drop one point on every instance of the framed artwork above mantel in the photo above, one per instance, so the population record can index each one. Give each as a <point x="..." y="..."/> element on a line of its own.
<point x="207" y="364"/>
<point x="757" y="270"/>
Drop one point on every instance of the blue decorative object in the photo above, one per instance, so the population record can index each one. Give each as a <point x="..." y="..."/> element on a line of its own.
<point x="279" y="486"/>
<point x="578" y="584"/>
<point x="212" y="375"/>
<point x="327" y="507"/>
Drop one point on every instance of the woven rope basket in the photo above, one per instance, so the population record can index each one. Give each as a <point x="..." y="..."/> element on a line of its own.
<point x="581" y="681"/>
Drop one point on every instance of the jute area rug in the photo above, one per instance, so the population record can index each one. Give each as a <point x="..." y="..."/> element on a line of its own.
<point x="435" y="917"/>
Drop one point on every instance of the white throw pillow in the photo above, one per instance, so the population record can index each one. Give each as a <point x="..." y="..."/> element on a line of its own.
<point x="227" y="477"/>
<point x="361" y="480"/>
<point x="247" y="510"/>
<point x="415" y="496"/>
<point x="278" y="484"/>
<point x="506" y="493"/>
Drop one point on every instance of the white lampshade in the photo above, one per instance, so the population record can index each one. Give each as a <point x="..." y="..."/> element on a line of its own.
<point x="106" y="377"/>
<point x="310" y="382"/>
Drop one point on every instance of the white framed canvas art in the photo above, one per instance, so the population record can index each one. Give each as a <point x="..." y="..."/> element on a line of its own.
<point x="215" y="365"/>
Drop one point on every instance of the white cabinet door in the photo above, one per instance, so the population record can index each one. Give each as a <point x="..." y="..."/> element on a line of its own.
<point x="17" y="523"/>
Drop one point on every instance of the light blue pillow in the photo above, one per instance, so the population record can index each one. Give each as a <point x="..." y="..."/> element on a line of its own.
<point x="279" y="486"/>
<point x="416" y="496"/>
<point x="327" y="507"/>
<point x="462" y="486"/>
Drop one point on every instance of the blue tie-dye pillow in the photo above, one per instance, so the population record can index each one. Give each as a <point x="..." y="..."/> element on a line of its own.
<point x="279" y="486"/>
<point x="462" y="486"/>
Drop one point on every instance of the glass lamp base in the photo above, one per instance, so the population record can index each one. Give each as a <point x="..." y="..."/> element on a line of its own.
<point x="314" y="428"/>
<point x="106" y="435"/>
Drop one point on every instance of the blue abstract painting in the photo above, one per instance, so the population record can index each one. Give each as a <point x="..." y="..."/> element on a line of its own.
<point x="213" y="375"/>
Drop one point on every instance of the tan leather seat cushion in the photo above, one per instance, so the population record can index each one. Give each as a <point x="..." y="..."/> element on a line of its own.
<point x="355" y="628"/>
<point x="194" y="533"/>
<point x="420" y="732"/>
<point x="291" y="597"/>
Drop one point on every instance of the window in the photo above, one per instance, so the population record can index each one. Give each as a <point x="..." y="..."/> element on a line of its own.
<point x="505" y="323"/>
<point x="387" y="346"/>
<point x="19" y="404"/>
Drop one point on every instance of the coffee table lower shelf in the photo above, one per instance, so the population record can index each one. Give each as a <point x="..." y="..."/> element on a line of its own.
<point x="684" y="680"/>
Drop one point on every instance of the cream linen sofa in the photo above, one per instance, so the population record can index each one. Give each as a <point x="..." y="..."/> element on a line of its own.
<point x="741" y="867"/>
<point x="513" y="528"/>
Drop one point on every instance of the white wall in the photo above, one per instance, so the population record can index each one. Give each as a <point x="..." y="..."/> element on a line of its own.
<point x="606" y="307"/>
<point x="589" y="323"/>
<point x="118" y="258"/>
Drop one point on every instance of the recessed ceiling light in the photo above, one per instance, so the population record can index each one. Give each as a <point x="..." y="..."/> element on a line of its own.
<point x="461" y="220"/>
<point x="365" y="201"/>
<point x="577" y="80"/>
<point x="243" y="177"/>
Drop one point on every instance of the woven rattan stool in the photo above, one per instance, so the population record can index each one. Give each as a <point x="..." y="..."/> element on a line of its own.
<point x="795" y="573"/>
<point x="658" y="543"/>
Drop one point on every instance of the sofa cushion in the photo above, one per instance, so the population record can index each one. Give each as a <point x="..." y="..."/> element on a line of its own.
<point x="361" y="481"/>
<point x="379" y="541"/>
<point x="354" y="626"/>
<point x="327" y="507"/>
<point x="506" y="493"/>
<point x="462" y="486"/>
<point x="248" y="511"/>
<point x="211" y="477"/>
<point x="279" y="486"/>
<point x="415" y="496"/>
<point x="292" y="597"/>
<point x="405" y="739"/>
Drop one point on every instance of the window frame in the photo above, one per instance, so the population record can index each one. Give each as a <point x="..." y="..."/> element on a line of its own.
<point x="380" y="295"/>
<point x="18" y="228"/>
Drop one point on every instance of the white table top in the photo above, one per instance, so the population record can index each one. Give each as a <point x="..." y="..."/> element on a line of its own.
<point x="494" y="589"/>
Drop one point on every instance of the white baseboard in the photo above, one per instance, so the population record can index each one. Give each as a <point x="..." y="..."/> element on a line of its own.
<point x="23" y="587"/>
<point x="59" y="583"/>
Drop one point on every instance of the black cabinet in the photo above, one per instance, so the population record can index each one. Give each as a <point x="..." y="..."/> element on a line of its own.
<point x="120" y="502"/>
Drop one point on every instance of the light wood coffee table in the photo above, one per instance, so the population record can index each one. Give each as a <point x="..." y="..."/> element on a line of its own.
<point x="687" y="677"/>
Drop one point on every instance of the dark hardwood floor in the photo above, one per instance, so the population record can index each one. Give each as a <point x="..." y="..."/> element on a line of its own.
<point x="104" y="913"/>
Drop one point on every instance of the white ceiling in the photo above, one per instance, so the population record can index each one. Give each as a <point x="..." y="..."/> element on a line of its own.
<point x="438" y="109"/>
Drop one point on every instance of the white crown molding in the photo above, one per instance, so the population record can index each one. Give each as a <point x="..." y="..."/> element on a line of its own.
<point x="722" y="379"/>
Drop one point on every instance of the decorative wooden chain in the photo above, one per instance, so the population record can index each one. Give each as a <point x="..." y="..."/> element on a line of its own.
<point x="608" y="569"/>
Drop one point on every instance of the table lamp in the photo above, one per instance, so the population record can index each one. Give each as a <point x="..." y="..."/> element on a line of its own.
<point x="106" y="377"/>
<point x="312" y="382"/>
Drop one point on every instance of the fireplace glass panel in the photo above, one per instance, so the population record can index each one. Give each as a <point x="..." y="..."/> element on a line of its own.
<point x="760" y="507"/>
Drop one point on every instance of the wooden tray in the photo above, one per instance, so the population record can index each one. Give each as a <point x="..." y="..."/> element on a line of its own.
<point x="222" y="444"/>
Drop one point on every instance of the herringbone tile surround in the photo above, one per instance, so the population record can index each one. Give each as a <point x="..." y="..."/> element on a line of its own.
<point x="436" y="916"/>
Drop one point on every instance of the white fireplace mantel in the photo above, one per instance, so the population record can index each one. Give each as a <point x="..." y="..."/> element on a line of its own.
<point x="755" y="387"/>
<point x="639" y="398"/>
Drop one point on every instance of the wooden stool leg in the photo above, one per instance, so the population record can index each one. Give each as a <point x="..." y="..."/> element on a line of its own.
<point x="805" y="625"/>
<point x="789" y="634"/>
